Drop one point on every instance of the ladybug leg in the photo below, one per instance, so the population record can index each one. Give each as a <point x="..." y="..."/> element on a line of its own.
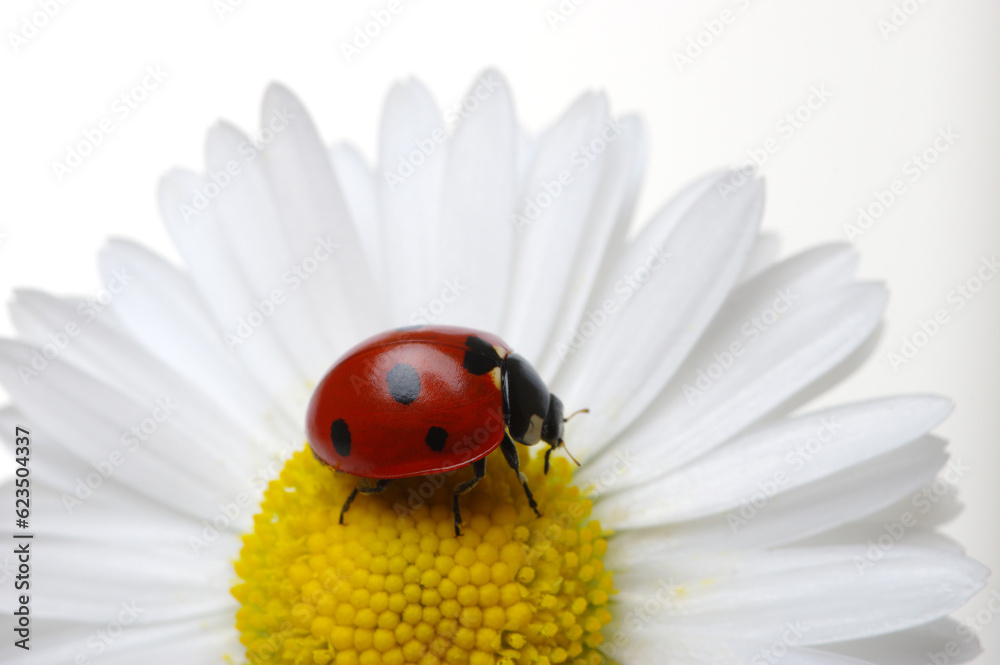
<point x="479" y="467"/>
<point x="510" y="454"/>
<point x="364" y="489"/>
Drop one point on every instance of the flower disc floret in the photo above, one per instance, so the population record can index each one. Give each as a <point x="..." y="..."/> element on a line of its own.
<point x="395" y="585"/>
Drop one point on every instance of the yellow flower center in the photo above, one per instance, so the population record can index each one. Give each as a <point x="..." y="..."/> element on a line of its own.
<point x="393" y="584"/>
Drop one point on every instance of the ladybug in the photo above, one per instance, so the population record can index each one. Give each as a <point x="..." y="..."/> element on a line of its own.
<point x="430" y="399"/>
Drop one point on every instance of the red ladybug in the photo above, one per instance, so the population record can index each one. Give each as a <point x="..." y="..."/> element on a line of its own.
<point x="429" y="399"/>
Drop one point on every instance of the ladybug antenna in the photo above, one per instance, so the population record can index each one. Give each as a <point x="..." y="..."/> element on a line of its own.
<point x="566" y="419"/>
<point x="562" y="444"/>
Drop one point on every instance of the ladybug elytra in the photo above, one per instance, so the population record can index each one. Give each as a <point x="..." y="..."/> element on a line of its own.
<point x="429" y="399"/>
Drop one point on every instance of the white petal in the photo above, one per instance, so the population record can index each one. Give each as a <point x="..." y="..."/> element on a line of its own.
<point x="152" y="310"/>
<point x="69" y="570"/>
<point x="252" y="225"/>
<point x="669" y="646"/>
<point x="864" y="532"/>
<point x="51" y="466"/>
<point x="945" y="639"/>
<point x="313" y="213"/>
<point x="112" y="356"/>
<point x="797" y="514"/>
<point x="624" y="363"/>
<point x="53" y="324"/>
<point x="915" y="516"/>
<point x="411" y="182"/>
<point x="762" y="256"/>
<point x="608" y="278"/>
<point x="604" y="230"/>
<point x="802" y="277"/>
<point x="78" y="498"/>
<point x="775" y="459"/>
<point x="91" y="420"/>
<point x="829" y="594"/>
<point x="476" y="238"/>
<point x="807" y="341"/>
<point x="942" y="504"/>
<point x="361" y="198"/>
<point x="91" y="507"/>
<point x="222" y="284"/>
<point x="549" y="217"/>
<point x="202" y="641"/>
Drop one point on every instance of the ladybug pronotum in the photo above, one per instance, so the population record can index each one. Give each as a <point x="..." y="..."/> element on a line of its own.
<point x="429" y="399"/>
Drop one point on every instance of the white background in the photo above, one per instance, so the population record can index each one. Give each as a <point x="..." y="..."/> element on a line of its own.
<point x="891" y="94"/>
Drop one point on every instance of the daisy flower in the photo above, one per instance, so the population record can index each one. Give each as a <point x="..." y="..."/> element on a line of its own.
<point x="179" y="517"/>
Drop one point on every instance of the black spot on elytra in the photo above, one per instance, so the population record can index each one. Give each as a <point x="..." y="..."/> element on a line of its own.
<point x="480" y="357"/>
<point x="341" y="437"/>
<point x="404" y="383"/>
<point x="436" y="436"/>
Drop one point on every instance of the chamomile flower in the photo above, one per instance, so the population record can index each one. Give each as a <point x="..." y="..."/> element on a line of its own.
<point x="179" y="517"/>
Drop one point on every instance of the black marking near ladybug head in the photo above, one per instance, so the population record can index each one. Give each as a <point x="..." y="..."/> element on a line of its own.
<point x="340" y="435"/>
<point x="435" y="439"/>
<point x="480" y="356"/>
<point x="533" y="413"/>
<point x="404" y="383"/>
